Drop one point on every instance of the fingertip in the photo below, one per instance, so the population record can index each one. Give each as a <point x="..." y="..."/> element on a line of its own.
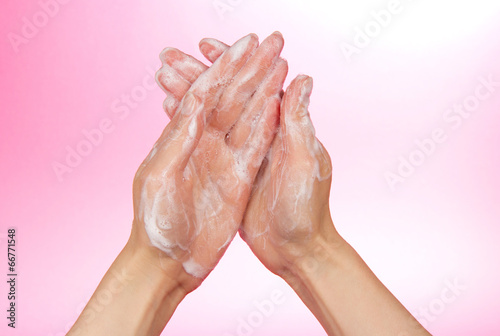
<point x="282" y="68"/>
<point x="299" y="90"/>
<point x="306" y="91"/>
<point x="251" y="41"/>
<point x="163" y="54"/>
<point x="278" y="33"/>
<point x="206" y="47"/>
<point x="274" y="42"/>
<point x="281" y="40"/>
<point x="212" y="48"/>
<point x="203" y="41"/>
<point x="307" y="86"/>
<point x="168" y="54"/>
<point x="294" y="109"/>
<point x="282" y="65"/>
<point x="300" y="79"/>
<point x="253" y="36"/>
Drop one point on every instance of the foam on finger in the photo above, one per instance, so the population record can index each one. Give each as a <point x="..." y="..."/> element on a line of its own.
<point x="212" y="48"/>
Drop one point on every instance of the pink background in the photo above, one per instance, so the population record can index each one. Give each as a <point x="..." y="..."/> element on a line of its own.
<point x="439" y="225"/>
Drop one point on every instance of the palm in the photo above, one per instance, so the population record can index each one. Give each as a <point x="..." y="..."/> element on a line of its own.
<point x="280" y="211"/>
<point x="216" y="201"/>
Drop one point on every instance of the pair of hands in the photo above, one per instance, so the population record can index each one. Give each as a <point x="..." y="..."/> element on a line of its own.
<point x="238" y="154"/>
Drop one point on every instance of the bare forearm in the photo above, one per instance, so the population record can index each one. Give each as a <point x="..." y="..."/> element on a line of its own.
<point x="135" y="297"/>
<point x="345" y="295"/>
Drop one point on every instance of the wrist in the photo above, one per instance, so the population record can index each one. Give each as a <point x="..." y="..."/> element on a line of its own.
<point x="164" y="269"/>
<point x="333" y="276"/>
<point x="136" y="287"/>
<point x="155" y="290"/>
<point x="325" y="250"/>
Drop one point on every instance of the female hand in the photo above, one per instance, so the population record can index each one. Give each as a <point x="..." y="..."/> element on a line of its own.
<point x="191" y="192"/>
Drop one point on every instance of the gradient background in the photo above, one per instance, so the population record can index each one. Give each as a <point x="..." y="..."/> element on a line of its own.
<point x="440" y="224"/>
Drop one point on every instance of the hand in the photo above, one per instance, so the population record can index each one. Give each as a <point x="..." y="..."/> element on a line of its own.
<point x="289" y="208"/>
<point x="191" y="192"/>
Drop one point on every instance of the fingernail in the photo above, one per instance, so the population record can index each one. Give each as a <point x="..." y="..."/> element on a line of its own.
<point x="278" y="33"/>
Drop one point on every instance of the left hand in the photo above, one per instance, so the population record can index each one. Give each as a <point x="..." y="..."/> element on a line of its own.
<point x="191" y="192"/>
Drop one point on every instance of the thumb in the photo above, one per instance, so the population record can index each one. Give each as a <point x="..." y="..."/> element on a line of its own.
<point x="299" y="136"/>
<point x="296" y="123"/>
<point x="177" y="143"/>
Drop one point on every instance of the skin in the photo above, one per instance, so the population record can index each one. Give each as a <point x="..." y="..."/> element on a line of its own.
<point x="232" y="112"/>
<point x="193" y="188"/>
<point x="288" y="224"/>
<point x="211" y="187"/>
<point x="280" y="220"/>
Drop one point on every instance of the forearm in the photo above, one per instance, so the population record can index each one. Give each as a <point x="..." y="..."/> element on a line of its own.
<point x="135" y="297"/>
<point x="345" y="295"/>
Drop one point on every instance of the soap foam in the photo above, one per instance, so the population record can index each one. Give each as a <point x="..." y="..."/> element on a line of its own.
<point x="195" y="269"/>
<point x="240" y="47"/>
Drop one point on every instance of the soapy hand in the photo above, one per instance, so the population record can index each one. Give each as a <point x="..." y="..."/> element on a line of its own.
<point x="191" y="192"/>
<point x="238" y="154"/>
<point x="289" y="205"/>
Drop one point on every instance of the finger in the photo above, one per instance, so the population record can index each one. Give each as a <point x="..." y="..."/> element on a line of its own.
<point x="259" y="141"/>
<point x="212" y="48"/>
<point x="174" y="84"/>
<point x="178" y="142"/>
<point x="299" y="136"/>
<point x="297" y="126"/>
<point x="271" y="87"/>
<point x="170" y="104"/>
<point x="188" y="67"/>
<point x="185" y="65"/>
<point x="299" y="140"/>
<point x="185" y="68"/>
<point x="211" y="84"/>
<point x="179" y="68"/>
<point x="246" y="82"/>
